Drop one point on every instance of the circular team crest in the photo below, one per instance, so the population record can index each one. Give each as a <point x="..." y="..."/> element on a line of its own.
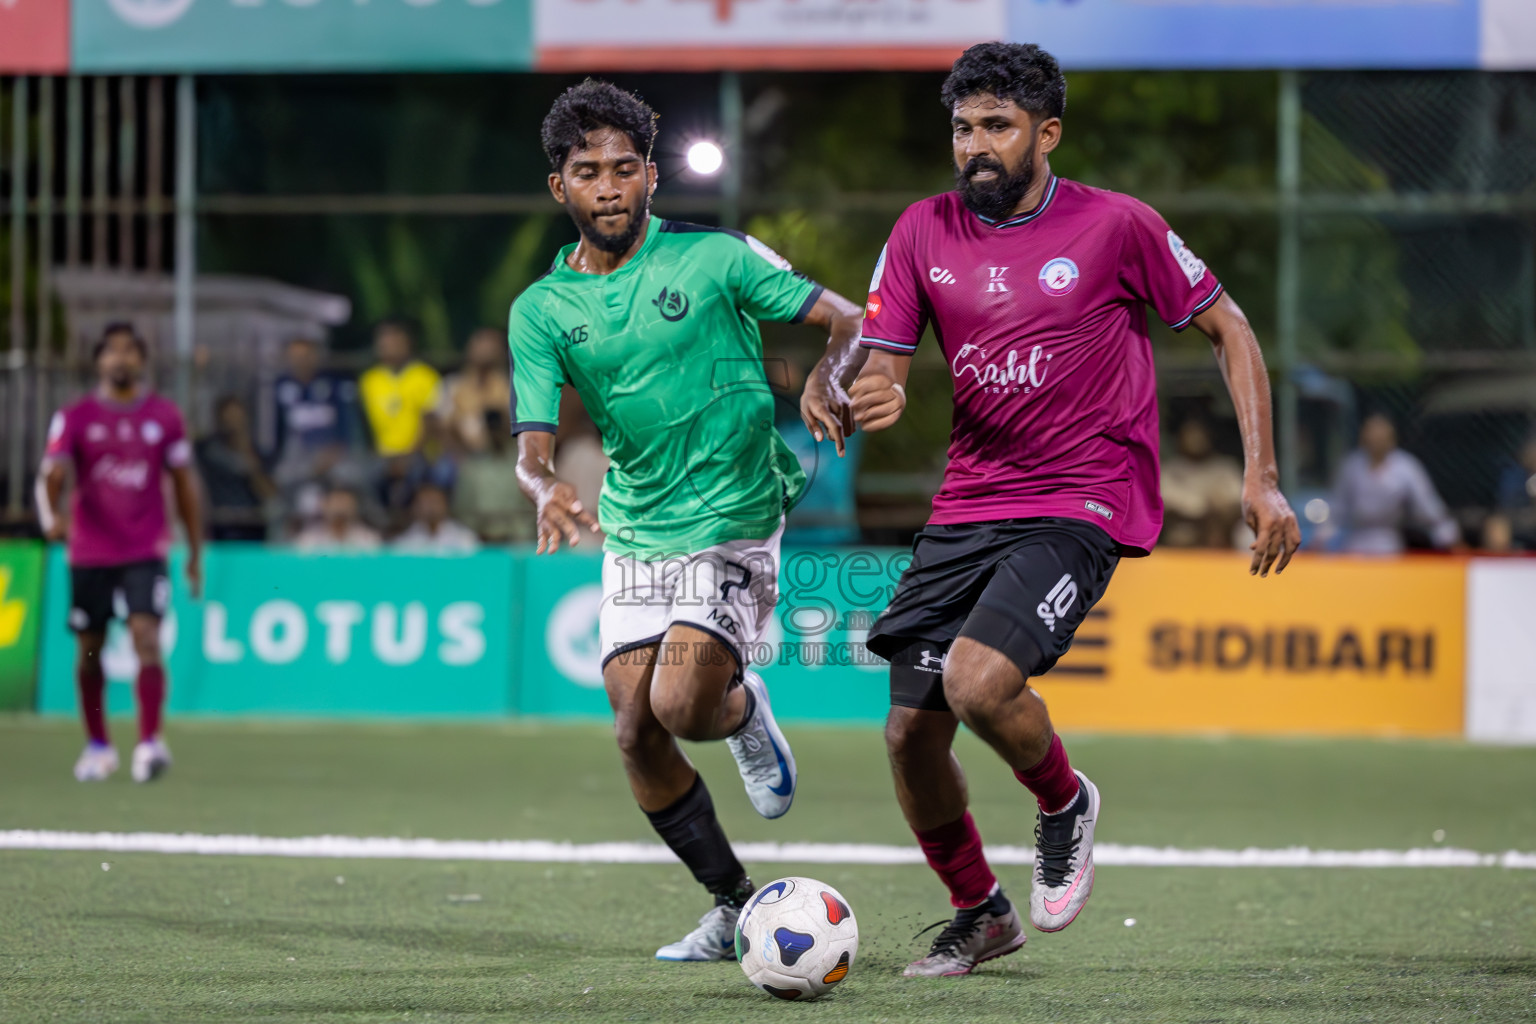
<point x="1058" y="276"/>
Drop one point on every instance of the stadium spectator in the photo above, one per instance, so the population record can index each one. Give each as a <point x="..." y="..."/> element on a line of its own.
<point x="316" y="416"/>
<point x="432" y="464"/>
<point x="340" y="528"/>
<point x="1498" y="535"/>
<point x="1202" y="491"/>
<point x="483" y="385"/>
<point x="399" y="393"/>
<point x="487" y="498"/>
<point x="1381" y="492"/>
<point x="234" y="476"/>
<point x="1517" y="497"/>
<point x="432" y="532"/>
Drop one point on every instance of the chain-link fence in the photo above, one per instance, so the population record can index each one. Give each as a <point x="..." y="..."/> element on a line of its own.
<point x="1379" y="228"/>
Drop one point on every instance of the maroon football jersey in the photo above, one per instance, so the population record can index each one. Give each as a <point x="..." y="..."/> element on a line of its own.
<point x="1042" y="321"/>
<point x="120" y="453"/>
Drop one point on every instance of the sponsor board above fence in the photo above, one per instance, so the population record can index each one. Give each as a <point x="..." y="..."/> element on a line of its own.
<point x="34" y="36"/>
<point x="300" y="35"/>
<point x="671" y="35"/>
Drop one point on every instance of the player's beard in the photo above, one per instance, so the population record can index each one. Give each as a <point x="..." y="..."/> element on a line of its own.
<point x="122" y="378"/>
<point x="998" y="198"/>
<point x="587" y="224"/>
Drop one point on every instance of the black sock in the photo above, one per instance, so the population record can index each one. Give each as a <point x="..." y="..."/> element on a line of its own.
<point x="689" y="827"/>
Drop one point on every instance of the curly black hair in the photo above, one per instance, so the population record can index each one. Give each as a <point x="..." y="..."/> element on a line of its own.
<point x="590" y="106"/>
<point x="1021" y="72"/>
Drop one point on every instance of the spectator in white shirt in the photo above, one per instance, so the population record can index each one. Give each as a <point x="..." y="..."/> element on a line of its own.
<point x="1383" y="491"/>
<point x="431" y="531"/>
<point x="340" y="528"/>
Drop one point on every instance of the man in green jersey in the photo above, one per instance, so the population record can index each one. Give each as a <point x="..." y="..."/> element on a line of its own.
<point x="654" y="323"/>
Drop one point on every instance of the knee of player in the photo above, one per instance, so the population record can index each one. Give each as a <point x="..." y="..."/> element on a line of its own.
<point x="634" y="732"/>
<point x="980" y="684"/>
<point x="146" y="642"/>
<point x="684" y="715"/>
<point x="905" y="735"/>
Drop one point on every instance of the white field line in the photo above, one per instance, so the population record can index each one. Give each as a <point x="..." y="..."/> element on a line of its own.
<point x="544" y="851"/>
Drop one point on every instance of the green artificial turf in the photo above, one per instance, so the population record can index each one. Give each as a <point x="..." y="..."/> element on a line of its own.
<point x="188" y="938"/>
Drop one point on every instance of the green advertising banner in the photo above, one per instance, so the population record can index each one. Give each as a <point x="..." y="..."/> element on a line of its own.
<point x="21" y="606"/>
<point x="309" y="635"/>
<point x="300" y="35"/>
<point x="813" y="657"/>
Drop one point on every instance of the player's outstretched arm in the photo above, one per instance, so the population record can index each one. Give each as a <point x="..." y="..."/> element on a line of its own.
<point x="49" y="491"/>
<point x="824" y="406"/>
<point x="560" y="513"/>
<point x="880" y="392"/>
<point x="1268" y="514"/>
<point x="184" y="484"/>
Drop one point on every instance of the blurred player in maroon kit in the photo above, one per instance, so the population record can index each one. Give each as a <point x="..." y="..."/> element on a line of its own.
<point x="1037" y="289"/>
<point x="120" y="440"/>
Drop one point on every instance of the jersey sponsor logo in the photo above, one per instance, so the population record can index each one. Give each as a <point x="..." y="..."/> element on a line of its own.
<point x="995" y="281"/>
<point x="1008" y="377"/>
<point x="126" y="474"/>
<point x="766" y="252"/>
<point x="96" y="432"/>
<point x="1192" y="265"/>
<point x="938" y="275"/>
<point x="1096" y="508"/>
<point x="1058" y="602"/>
<point x="1058" y="276"/>
<point x="874" y="282"/>
<point x="152" y="432"/>
<point x="576" y="335"/>
<point x="872" y="307"/>
<point x="124" y="430"/>
<point x="672" y="304"/>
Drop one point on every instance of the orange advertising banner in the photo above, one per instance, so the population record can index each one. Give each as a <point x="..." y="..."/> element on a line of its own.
<point x="34" y="36"/>
<point x="1189" y="642"/>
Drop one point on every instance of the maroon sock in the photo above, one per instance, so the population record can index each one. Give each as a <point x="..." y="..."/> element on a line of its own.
<point x="151" y="691"/>
<point x="954" y="852"/>
<point x="93" y="690"/>
<point x="1053" y="781"/>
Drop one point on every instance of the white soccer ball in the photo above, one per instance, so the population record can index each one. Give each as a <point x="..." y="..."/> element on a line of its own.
<point x="796" y="938"/>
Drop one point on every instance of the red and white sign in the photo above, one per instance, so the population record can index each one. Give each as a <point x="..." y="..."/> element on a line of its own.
<point x="34" y="36"/>
<point x="690" y="35"/>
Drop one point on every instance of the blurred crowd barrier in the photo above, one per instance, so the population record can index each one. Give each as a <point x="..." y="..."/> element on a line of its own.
<point x="1383" y="275"/>
<point x="1184" y="642"/>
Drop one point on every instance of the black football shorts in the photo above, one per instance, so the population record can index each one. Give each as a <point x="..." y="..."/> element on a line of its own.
<point x="145" y="587"/>
<point x="1019" y="586"/>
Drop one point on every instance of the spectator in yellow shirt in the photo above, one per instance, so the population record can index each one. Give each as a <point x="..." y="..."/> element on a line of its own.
<point x="399" y="392"/>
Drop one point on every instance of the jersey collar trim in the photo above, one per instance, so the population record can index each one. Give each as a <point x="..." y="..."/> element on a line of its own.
<point x="653" y="228"/>
<point x="1025" y="218"/>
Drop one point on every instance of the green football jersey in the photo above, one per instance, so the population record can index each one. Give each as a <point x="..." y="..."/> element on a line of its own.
<point x="666" y="356"/>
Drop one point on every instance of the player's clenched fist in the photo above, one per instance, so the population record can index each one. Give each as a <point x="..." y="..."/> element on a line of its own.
<point x="561" y="515"/>
<point x="878" y="401"/>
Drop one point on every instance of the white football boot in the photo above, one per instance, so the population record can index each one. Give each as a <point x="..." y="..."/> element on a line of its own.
<point x="150" y="760"/>
<point x="713" y="939"/>
<point x="96" y="763"/>
<point x="763" y="755"/>
<point x="1064" y="861"/>
<point x="973" y="937"/>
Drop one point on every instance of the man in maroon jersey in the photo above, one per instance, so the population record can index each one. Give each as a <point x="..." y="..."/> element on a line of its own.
<point x="1037" y="290"/>
<point x="120" y="440"/>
